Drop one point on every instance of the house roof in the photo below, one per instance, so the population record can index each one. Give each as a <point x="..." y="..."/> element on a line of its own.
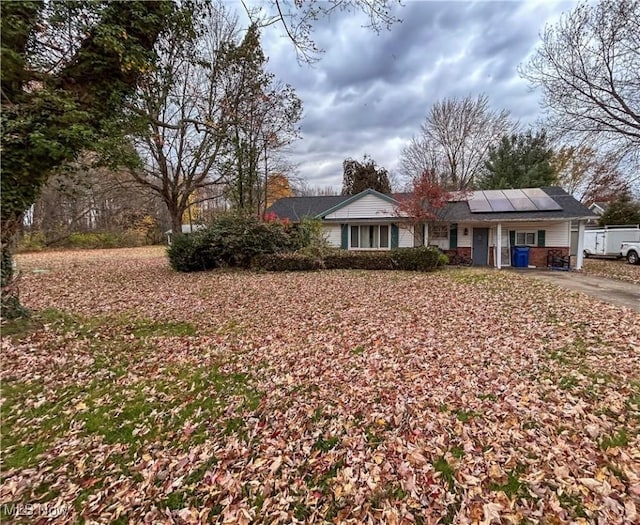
<point x="599" y="207"/>
<point x="570" y="209"/>
<point x="295" y="208"/>
<point x="351" y="198"/>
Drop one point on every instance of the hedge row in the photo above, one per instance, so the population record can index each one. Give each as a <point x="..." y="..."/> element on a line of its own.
<point x="413" y="259"/>
<point x="233" y="240"/>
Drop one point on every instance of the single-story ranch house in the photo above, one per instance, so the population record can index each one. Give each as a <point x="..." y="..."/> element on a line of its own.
<point x="481" y="225"/>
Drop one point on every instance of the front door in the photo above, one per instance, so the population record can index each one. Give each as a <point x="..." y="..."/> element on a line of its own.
<point x="480" y="246"/>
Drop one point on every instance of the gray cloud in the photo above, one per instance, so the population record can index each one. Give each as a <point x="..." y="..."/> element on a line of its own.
<point x="370" y="92"/>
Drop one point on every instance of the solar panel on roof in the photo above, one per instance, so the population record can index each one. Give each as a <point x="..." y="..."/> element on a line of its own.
<point x="511" y="200"/>
<point x="498" y="201"/>
<point x="541" y="200"/>
<point x="519" y="200"/>
<point x="501" y="205"/>
<point x="478" y="203"/>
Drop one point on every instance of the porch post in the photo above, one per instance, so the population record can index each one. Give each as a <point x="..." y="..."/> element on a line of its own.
<point x="580" y="250"/>
<point x="499" y="246"/>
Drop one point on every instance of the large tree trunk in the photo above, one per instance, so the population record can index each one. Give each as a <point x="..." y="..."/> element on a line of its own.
<point x="175" y="213"/>
<point x="50" y="123"/>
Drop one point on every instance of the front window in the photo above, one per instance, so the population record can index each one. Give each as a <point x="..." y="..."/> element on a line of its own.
<point x="439" y="231"/>
<point x="525" y="238"/>
<point x="370" y="237"/>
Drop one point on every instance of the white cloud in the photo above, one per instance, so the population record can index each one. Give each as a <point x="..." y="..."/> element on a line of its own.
<point x="370" y="92"/>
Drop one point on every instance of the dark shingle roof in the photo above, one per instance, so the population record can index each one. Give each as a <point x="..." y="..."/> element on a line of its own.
<point x="295" y="208"/>
<point x="571" y="209"/>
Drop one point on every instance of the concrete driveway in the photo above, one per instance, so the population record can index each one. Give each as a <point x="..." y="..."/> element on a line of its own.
<point x="608" y="290"/>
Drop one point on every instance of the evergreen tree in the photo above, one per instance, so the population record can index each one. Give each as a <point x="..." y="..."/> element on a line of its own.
<point x="522" y="160"/>
<point x="262" y="116"/>
<point x="359" y="176"/>
<point x="622" y="211"/>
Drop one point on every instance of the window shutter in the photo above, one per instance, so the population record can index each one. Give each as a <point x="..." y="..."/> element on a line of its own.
<point x="512" y="238"/>
<point x="541" y="238"/>
<point x="344" y="244"/>
<point x="453" y="237"/>
<point x="394" y="236"/>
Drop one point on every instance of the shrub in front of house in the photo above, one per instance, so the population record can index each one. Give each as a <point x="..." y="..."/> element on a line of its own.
<point x="357" y="260"/>
<point x="191" y="253"/>
<point x="421" y="259"/>
<point x="309" y="235"/>
<point x="230" y="241"/>
<point x="236" y="240"/>
<point x="412" y="259"/>
<point x="287" y="262"/>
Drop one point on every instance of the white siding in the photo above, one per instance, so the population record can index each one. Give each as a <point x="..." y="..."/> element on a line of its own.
<point x="440" y="242"/>
<point x="333" y="234"/>
<point x="366" y="207"/>
<point x="405" y="237"/>
<point x="464" y="241"/>
<point x="557" y="233"/>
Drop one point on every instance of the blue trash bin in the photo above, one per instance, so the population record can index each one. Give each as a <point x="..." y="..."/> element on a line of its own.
<point x="521" y="256"/>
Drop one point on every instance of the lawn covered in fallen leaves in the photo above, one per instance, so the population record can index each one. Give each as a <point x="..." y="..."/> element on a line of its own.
<point x="620" y="270"/>
<point x="137" y="394"/>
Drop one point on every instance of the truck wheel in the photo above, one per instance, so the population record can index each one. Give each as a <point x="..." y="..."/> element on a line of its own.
<point x="632" y="258"/>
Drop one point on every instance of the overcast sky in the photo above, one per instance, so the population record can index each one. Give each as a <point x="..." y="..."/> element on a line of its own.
<point x="369" y="93"/>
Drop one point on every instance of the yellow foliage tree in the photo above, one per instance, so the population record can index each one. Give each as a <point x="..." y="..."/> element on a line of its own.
<point x="278" y="187"/>
<point x="193" y="213"/>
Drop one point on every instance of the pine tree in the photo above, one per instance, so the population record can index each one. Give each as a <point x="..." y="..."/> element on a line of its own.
<point x="522" y="160"/>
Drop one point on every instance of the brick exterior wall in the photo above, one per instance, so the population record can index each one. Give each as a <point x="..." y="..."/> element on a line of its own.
<point x="537" y="256"/>
<point x="465" y="252"/>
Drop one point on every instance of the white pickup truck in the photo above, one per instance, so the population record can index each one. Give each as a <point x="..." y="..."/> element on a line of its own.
<point x="631" y="250"/>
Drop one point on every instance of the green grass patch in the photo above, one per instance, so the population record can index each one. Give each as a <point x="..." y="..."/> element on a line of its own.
<point x="568" y="382"/>
<point x="390" y="493"/>
<point x="301" y="511"/>
<point x="85" y="326"/>
<point x="487" y="397"/>
<point x="372" y="437"/>
<point x="573" y="504"/>
<point x="619" y="439"/>
<point x="358" y="350"/>
<point x="633" y="402"/>
<point x="446" y="471"/>
<point x="513" y="487"/>
<point x="21" y="456"/>
<point x="155" y="329"/>
<point x="19" y="328"/>
<point x="323" y="481"/>
<point x="465" y="416"/>
<point x="136" y="414"/>
<point x="457" y="452"/>
<point x="325" y="445"/>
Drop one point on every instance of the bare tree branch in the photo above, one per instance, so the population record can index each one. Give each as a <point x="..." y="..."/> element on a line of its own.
<point x="588" y="67"/>
<point x="454" y="141"/>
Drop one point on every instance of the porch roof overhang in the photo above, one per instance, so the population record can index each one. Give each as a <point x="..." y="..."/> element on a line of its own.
<point x="367" y="220"/>
<point x="505" y="219"/>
